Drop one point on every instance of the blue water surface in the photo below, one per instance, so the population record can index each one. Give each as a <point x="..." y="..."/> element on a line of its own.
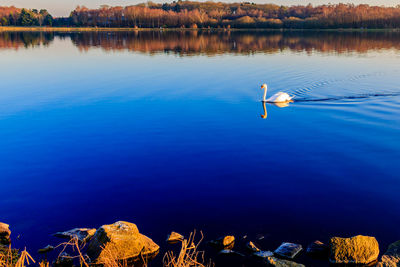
<point x="171" y="140"/>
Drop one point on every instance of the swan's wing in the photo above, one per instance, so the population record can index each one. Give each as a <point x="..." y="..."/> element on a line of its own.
<point x="275" y="97"/>
<point x="279" y="97"/>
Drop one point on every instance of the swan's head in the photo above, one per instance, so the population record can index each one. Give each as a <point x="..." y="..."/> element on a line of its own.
<point x="264" y="86"/>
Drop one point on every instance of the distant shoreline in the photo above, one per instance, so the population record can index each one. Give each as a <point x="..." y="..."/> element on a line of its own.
<point x="98" y="29"/>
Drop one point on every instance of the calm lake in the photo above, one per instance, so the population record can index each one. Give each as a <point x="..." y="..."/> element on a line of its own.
<point x="167" y="130"/>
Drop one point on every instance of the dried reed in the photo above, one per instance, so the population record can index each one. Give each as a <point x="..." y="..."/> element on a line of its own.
<point x="189" y="256"/>
<point x="10" y="258"/>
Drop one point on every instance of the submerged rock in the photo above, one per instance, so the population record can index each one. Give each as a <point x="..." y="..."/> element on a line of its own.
<point x="391" y="258"/>
<point x="318" y="249"/>
<point x="123" y="241"/>
<point x="5" y="234"/>
<point x="272" y="261"/>
<point x="82" y="234"/>
<point x="355" y="250"/>
<point x="174" y="238"/>
<point x="230" y="252"/>
<point x="46" y="249"/>
<point x="260" y="237"/>
<point x="227" y="242"/>
<point x="288" y="250"/>
<point x="252" y="247"/>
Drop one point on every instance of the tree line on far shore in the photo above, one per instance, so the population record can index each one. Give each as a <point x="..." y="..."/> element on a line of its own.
<point x="189" y="14"/>
<point x="12" y="16"/>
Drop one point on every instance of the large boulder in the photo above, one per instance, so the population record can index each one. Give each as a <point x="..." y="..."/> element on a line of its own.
<point x="82" y="234"/>
<point x="120" y="241"/>
<point x="391" y="258"/>
<point x="5" y="234"/>
<point x="355" y="250"/>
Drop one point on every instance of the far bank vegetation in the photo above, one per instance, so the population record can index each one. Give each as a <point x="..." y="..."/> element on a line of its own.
<point x="189" y="14"/>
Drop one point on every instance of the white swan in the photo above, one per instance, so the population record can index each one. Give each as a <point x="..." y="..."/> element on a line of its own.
<point x="279" y="97"/>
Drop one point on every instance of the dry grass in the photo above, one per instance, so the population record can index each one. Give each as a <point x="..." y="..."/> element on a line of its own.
<point x="189" y="255"/>
<point x="44" y="264"/>
<point x="111" y="259"/>
<point x="75" y="246"/>
<point x="25" y="258"/>
<point x="11" y="258"/>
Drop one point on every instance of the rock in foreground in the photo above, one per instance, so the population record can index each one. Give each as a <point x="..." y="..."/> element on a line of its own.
<point x="318" y="249"/>
<point x="227" y="242"/>
<point x="5" y="234"/>
<point x="355" y="250"/>
<point x="82" y="234"/>
<point x="121" y="241"/>
<point x="252" y="247"/>
<point x="288" y="250"/>
<point x="64" y="260"/>
<point x="46" y="249"/>
<point x="174" y="238"/>
<point x="391" y="258"/>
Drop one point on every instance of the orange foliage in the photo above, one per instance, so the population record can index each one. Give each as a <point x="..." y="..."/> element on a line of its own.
<point x="211" y="14"/>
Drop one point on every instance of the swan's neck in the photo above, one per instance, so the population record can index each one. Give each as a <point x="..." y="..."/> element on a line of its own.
<point x="265" y="94"/>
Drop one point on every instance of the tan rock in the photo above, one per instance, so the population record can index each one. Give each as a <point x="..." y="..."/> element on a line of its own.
<point x="356" y="250"/>
<point x="228" y="241"/>
<point x="5" y="234"/>
<point x="174" y="238"/>
<point x="121" y="241"/>
<point x="391" y="258"/>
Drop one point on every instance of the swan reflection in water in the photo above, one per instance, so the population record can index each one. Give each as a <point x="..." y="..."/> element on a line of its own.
<point x="280" y="105"/>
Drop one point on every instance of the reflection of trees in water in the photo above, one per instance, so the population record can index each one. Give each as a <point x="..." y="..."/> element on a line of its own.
<point x="213" y="43"/>
<point x="15" y="40"/>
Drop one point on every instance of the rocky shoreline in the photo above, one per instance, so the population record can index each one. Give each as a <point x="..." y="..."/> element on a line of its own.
<point x="121" y="244"/>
